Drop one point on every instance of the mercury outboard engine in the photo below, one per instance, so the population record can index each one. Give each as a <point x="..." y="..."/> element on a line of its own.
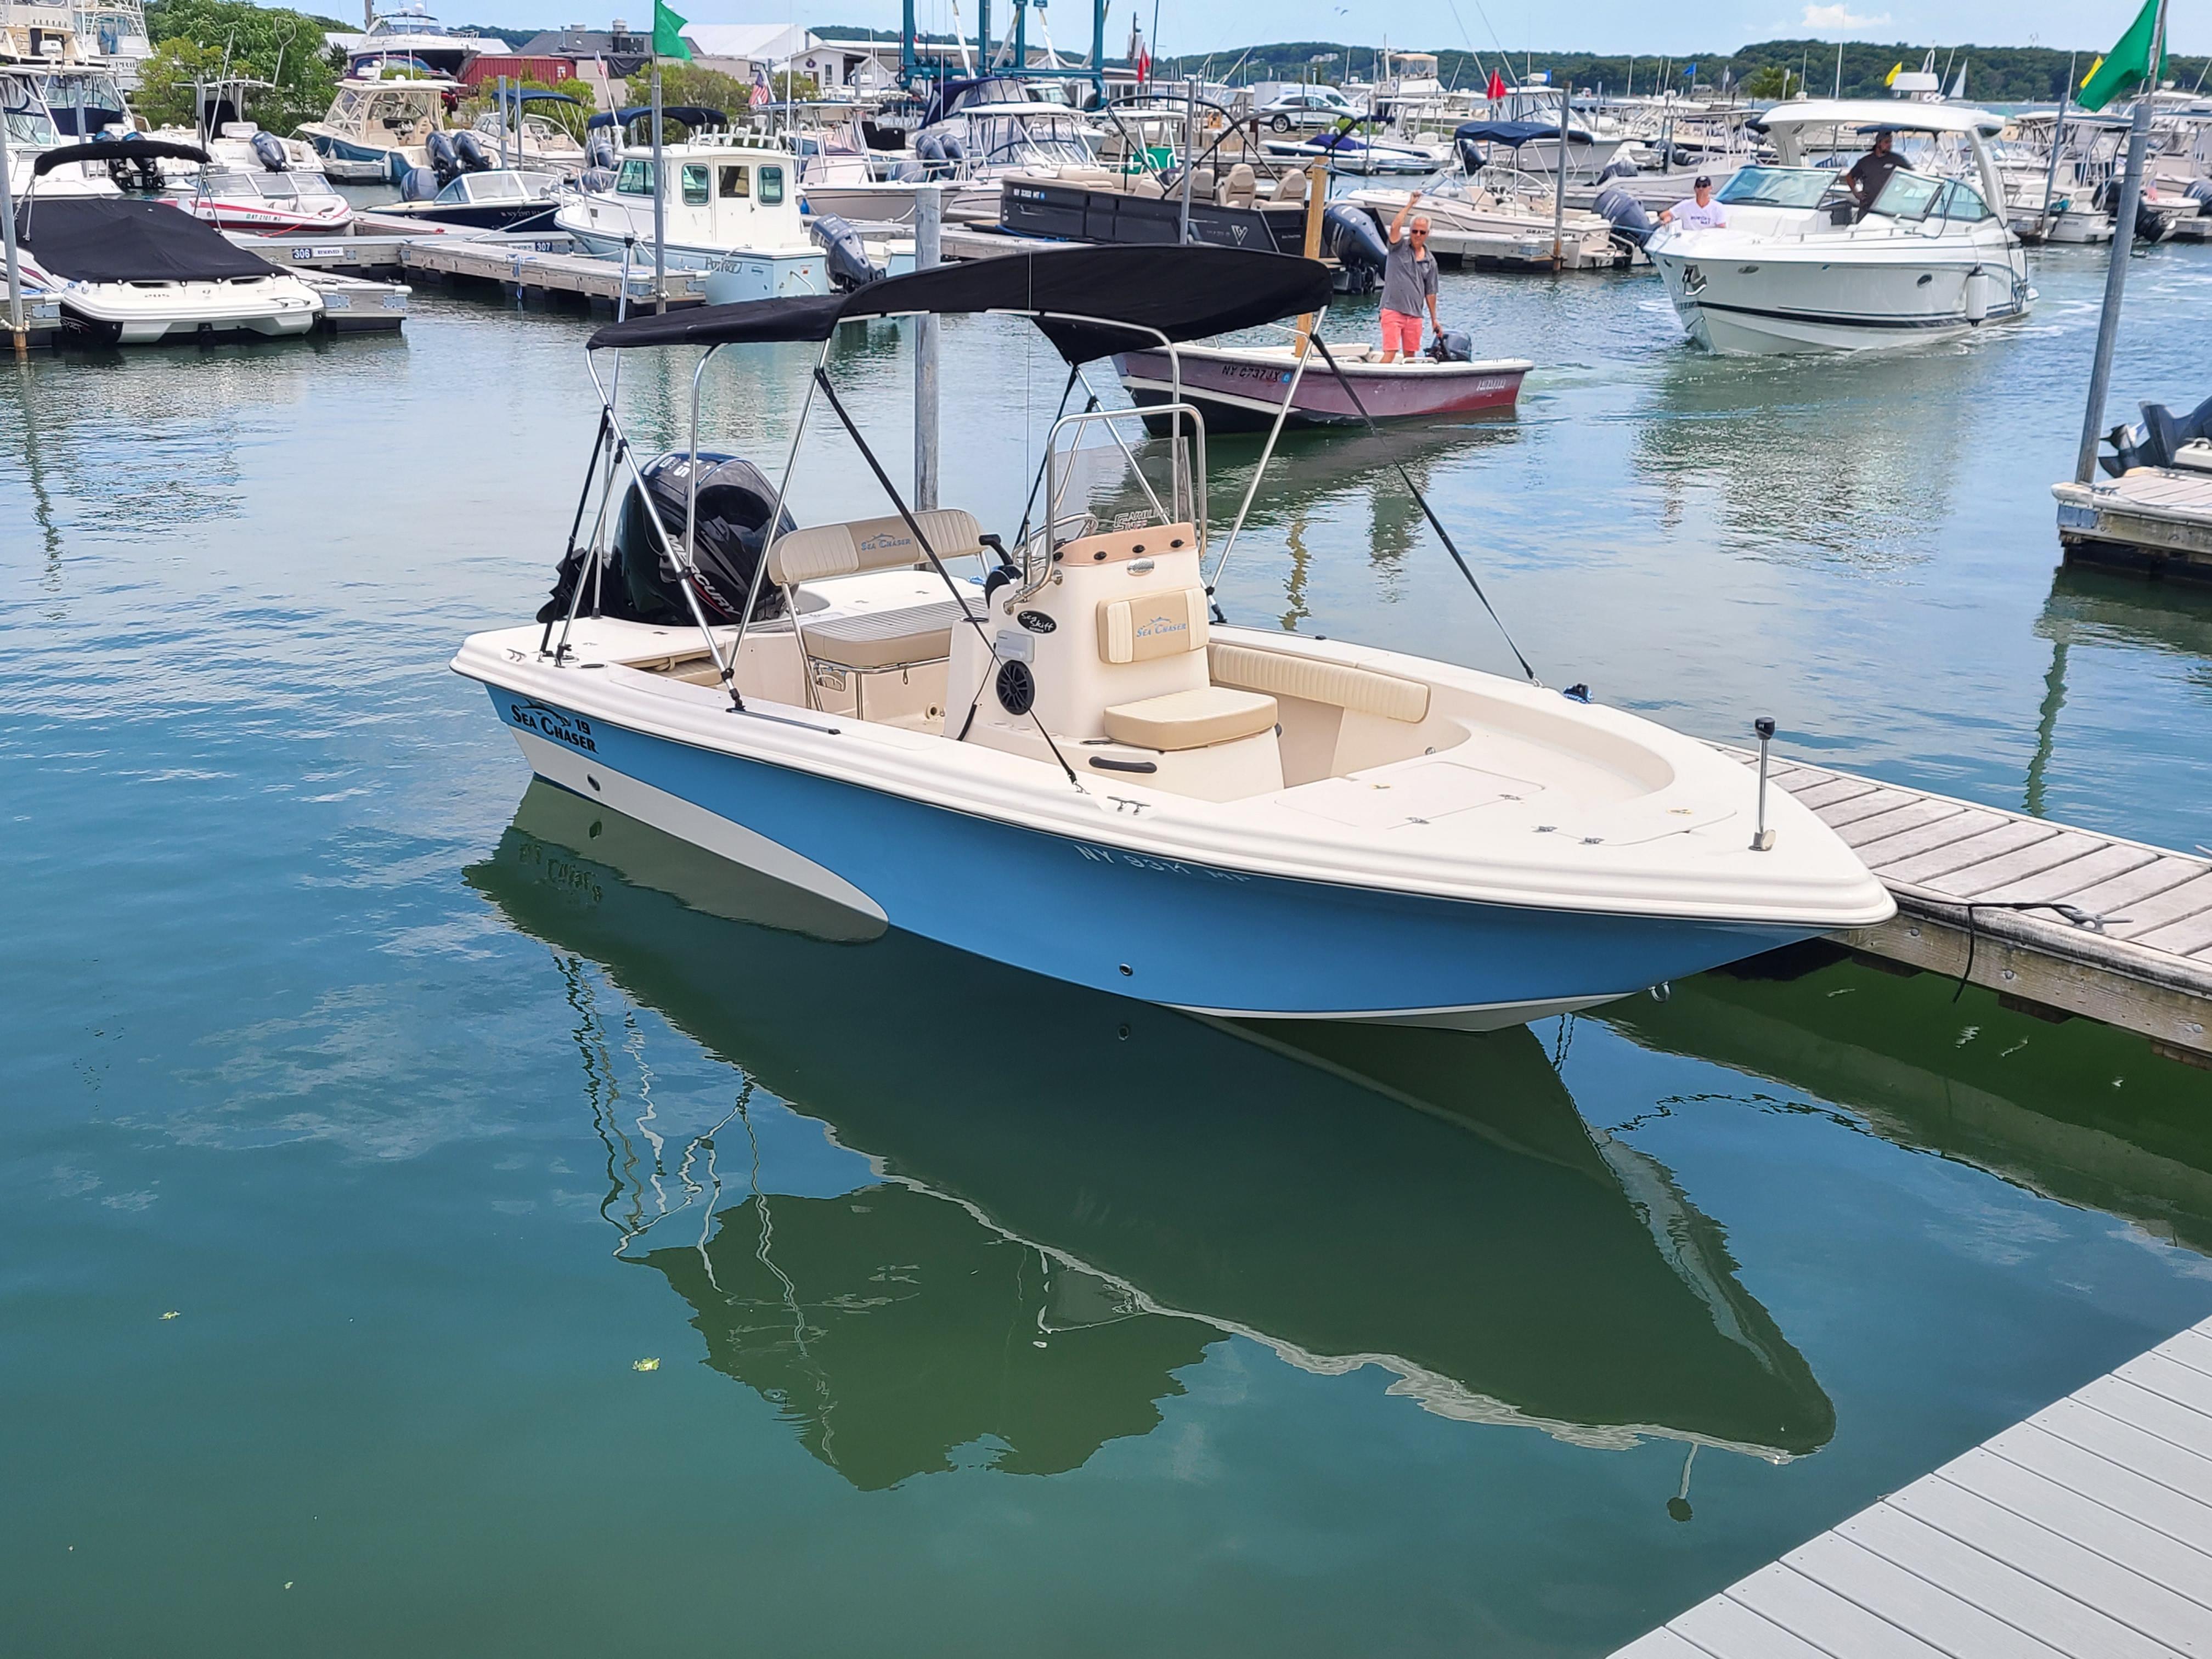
<point x="2157" y="440"/>
<point x="2150" y="224"/>
<point x="641" y="583"/>
<point x="847" y="255"/>
<point x="1632" y="225"/>
<point x="1454" y="345"/>
<point x="1471" y="158"/>
<point x="2200" y="191"/>
<point x="469" y="151"/>
<point x="269" y="150"/>
<point x="600" y="150"/>
<point x="443" y="162"/>
<point x="1349" y="237"/>
<point x="1619" y="168"/>
<point x="420" y="184"/>
<point x="929" y="150"/>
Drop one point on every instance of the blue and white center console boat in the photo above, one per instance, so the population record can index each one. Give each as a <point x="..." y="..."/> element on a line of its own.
<point x="1070" y="766"/>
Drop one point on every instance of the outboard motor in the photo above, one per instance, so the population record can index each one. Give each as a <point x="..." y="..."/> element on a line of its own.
<point x="929" y="150"/>
<point x="2157" y="440"/>
<point x="469" y="151"/>
<point x="269" y="150"/>
<point x="2200" y="191"/>
<point x="1632" y="225"/>
<point x="849" y="264"/>
<point x="1349" y="237"/>
<point x="2150" y="224"/>
<point x="1471" y="157"/>
<point x="599" y="151"/>
<point x="420" y="184"/>
<point x="443" y="162"/>
<point x="1454" y="345"/>
<point x="599" y="179"/>
<point x="641" y="583"/>
<point x="1619" y="168"/>
<point x="137" y="173"/>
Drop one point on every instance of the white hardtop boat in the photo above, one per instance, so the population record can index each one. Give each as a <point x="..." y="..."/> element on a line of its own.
<point x="376" y="130"/>
<point x="1068" y="762"/>
<point x="729" y="206"/>
<point x="1801" y="267"/>
<point x="974" y="136"/>
<point x="133" y="272"/>
<point x="410" y="39"/>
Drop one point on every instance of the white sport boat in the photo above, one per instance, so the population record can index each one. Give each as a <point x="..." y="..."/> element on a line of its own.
<point x="375" y="130"/>
<point x="729" y="205"/>
<point x="1800" y="267"/>
<point x="256" y="183"/>
<point x="1065" y="763"/>
<point x="135" y="271"/>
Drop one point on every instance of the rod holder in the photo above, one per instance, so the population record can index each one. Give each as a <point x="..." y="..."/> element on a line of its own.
<point x="1762" y="839"/>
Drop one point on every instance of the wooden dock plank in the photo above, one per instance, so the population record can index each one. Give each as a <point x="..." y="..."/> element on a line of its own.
<point x="2110" y="861"/>
<point x="2176" y="904"/>
<point x="2111" y="1533"/>
<point x="1873" y="804"/>
<point x="1663" y="1643"/>
<point x="2086" y="1531"/>
<point x="2131" y="1600"/>
<point x="1927" y="837"/>
<point x="2106" y="1484"/>
<point x="1833" y="790"/>
<point x="1833" y="1623"/>
<point x="2182" y="938"/>
<point x="1725" y="1628"/>
<point x="1929" y="868"/>
<point x="1916" y="814"/>
<point x="2118" y="895"/>
<point x="2042" y="871"/>
<point x="2028" y="1603"/>
<point x="1912" y="1603"/>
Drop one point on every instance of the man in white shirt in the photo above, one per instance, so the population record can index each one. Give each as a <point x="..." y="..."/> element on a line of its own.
<point x="1700" y="213"/>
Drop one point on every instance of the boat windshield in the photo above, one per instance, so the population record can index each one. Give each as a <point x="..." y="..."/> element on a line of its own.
<point x="28" y="125"/>
<point x="1779" y="188"/>
<point x="635" y="178"/>
<point x="1910" y="196"/>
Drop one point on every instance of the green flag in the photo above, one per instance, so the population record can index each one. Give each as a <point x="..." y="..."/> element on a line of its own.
<point x="668" y="34"/>
<point x="2127" y="66"/>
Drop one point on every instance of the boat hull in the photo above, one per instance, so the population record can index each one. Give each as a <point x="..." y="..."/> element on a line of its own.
<point x="1170" y="931"/>
<point x="1758" y="304"/>
<point x="1243" y="391"/>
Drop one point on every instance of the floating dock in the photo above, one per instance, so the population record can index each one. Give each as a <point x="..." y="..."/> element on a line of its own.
<point x="353" y="305"/>
<point x="42" y="324"/>
<point x="2086" y="1531"/>
<point x="525" y="265"/>
<point x="2059" y="922"/>
<point x="2154" y="521"/>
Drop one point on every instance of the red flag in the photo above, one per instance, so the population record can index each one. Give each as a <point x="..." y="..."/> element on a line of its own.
<point x="1144" y="65"/>
<point x="1495" y="90"/>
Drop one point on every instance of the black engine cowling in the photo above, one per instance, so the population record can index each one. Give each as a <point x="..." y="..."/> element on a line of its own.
<point x="470" y="151"/>
<point x="846" y="253"/>
<point x="444" y="161"/>
<point x="2158" y="438"/>
<point x="1349" y="237"/>
<point x="269" y="150"/>
<point x="642" y="583"/>
<point x="1630" y="222"/>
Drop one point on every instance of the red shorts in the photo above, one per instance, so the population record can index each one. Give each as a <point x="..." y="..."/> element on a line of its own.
<point x="1401" y="332"/>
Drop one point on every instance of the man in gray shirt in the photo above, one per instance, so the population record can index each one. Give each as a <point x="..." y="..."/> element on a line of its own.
<point x="1409" y="280"/>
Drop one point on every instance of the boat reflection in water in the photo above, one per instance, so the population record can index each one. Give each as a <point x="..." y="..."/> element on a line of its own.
<point x="2078" y="1112"/>
<point x="1076" y="1195"/>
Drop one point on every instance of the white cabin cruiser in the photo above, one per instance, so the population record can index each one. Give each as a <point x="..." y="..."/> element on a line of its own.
<point x="1801" y="267"/>
<point x="133" y="272"/>
<point x="729" y="204"/>
<point x="1070" y="766"/>
<point x="375" y="130"/>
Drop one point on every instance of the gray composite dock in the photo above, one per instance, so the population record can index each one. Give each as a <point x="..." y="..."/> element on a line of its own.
<point x="2083" y="1533"/>
<point x="2155" y="520"/>
<point x="2060" y="922"/>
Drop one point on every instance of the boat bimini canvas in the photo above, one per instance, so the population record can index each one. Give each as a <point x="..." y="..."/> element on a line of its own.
<point x="1069" y="761"/>
<point x="1800" y="266"/>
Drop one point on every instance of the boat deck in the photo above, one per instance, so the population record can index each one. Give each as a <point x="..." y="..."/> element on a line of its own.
<point x="1979" y="891"/>
<point x="2086" y="1531"/>
<point x="2155" y="520"/>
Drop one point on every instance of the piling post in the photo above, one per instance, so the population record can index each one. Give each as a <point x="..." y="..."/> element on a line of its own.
<point x="15" y="270"/>
<point x="928" y="224"/>
<point x="659" y="200"/>
<point x="2058" y="143"/>
<point x="1317" y="210"/>
<point x="2116" y="273"/>
<point x="1559" y="183"/>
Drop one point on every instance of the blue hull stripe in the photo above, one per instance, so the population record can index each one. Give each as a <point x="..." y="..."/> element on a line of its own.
<point x="1187" y="935"/>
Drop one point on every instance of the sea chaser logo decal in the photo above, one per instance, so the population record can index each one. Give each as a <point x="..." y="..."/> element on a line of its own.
<point x="548" y="722"/>
<point x="1158" y="628"/>
<point x="885" y="539"/>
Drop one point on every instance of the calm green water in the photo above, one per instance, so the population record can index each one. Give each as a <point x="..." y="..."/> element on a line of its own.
<point x="991" y="1317"/>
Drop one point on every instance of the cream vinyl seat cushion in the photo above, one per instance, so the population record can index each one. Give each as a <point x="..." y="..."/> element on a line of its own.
<point x="884" y="639"/>
<point x="1363" y="691"/>
<point x="1191" y="720"/>
<point x="1160" y="623"/>
<point x="846" y="549"/>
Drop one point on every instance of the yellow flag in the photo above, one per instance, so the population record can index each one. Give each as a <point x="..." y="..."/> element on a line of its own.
<point x="1890" y="79"/>
<point x="2091" y="75"/>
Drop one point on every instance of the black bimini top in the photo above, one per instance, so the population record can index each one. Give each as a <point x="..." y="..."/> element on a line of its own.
<point x="116" y="149"/>
<point x="108" y="239"/>
<point x="1088" y="301"/>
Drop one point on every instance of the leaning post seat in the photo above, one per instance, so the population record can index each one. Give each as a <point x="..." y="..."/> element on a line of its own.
<point x="876" y="642"/>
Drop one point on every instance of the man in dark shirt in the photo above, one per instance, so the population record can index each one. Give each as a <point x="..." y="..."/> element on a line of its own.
<point x="1872" y="170"/>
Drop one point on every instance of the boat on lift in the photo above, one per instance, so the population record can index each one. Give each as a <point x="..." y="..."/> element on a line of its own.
<point x="1801" y="266"/>
<point x="135" y="271"/>
<point x="1065" y="763"/>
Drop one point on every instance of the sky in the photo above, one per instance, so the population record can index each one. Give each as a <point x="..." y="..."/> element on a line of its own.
<point x="1609" y="25"/>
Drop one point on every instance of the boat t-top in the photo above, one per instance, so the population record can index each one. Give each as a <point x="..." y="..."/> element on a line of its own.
<point x="1042" y="742"/>
<point x="1801" y="266"/>
<point x="376" y="130"/>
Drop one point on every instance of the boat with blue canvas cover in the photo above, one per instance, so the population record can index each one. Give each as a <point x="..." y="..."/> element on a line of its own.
<point x="1063" y="758"/>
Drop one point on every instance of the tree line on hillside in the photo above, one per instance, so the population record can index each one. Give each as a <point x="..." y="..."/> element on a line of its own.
<point x="1998" y="75"/>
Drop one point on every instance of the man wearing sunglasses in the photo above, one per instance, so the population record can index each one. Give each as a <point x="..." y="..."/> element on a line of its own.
<point x="1409" y="282"/>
